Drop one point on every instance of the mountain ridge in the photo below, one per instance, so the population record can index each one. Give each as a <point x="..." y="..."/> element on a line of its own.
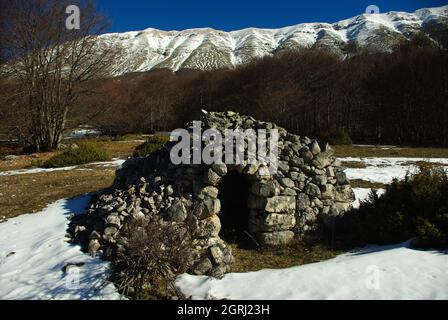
<point x="208" y="48"/>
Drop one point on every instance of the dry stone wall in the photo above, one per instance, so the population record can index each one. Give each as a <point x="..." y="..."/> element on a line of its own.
<point x="308" y="188"/>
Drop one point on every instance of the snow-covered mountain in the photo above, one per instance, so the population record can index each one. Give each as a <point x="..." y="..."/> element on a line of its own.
<point x="207" y="49"/>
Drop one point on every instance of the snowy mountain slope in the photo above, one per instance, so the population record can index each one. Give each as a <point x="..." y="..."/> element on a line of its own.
<point x="208" y="49"/>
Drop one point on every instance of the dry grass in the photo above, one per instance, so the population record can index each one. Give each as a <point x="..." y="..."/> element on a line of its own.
<point x="353" y="164"/>
<point x="366" y="184"/>
<point x="24" y="161"/>
<point x="425" y="164"/>
<point x="9" y="149"/>
<point x="247" y="260"/>
<point x="31" y="193"/>
<point x="354" y="151"/>
<point x="118" y="149"/>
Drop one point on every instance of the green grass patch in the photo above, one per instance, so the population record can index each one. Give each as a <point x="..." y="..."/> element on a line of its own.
<point x="37" y="163"/>
<point x="86" y="152"/>
<point x="153" y="144"/>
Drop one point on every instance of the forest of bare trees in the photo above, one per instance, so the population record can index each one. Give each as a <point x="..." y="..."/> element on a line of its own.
<point x="381" y="98"/>
<point x="45" y="64"/>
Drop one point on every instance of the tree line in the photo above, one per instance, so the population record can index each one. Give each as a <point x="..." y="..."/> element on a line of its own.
<point x="400" y="97"/>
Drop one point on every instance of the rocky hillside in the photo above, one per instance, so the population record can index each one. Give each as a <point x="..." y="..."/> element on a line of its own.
<point x="208" y="49"/>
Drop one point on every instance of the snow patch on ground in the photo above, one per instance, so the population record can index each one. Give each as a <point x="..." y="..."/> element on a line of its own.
<point x="34" y="250"/>
<point x="378" y="273"/>
<point x="82" y="133"/>
<point x="384" y="170"/>
<point x="33" y="171"/>
<point x="378" y="161"/>
<point x="113" y="163"/>
<point x="106" y="164"/>
<point x="378" y="174"/>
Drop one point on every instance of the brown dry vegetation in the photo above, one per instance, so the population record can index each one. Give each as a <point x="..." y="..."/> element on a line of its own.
<point x="23" y="162"/>
<point x="353" y="164"/>
<point x="29" y="193"/>
<point x="116" y="148"/>
<point x="406" y="152"/>
<point x="367" y="184"/>
<point x="120" y="148"/>
<point x="253" y="260"/>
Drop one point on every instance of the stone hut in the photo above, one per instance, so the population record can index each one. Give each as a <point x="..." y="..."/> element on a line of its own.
<point x="307" y="189"/>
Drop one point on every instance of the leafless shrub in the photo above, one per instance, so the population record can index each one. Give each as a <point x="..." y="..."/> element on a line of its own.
<point x="154" y="254"/>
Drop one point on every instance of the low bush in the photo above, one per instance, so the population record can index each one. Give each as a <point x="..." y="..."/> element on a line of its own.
<point x="153" y="143"/>
<point x="153" y="255"/>
<point x="37" y="163"/>
<point x="416" y="207"/>
<point x="86" y="152"/>
<point x="338" y="138"/>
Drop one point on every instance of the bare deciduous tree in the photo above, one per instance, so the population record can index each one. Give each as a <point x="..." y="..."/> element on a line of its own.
<point x="49" y="62"/>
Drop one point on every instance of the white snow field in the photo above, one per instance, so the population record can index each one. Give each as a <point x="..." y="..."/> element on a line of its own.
<point x="105" y="164"/>
<point x="378" y="273"/>
<point x="34" y="250"/>
<point x="384" y="170"/>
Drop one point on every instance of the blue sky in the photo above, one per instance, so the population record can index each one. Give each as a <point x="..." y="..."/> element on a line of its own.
<point x="133" y="15"/>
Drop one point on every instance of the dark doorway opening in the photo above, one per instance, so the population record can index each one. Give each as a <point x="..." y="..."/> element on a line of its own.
<point x="233" y="194"/>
